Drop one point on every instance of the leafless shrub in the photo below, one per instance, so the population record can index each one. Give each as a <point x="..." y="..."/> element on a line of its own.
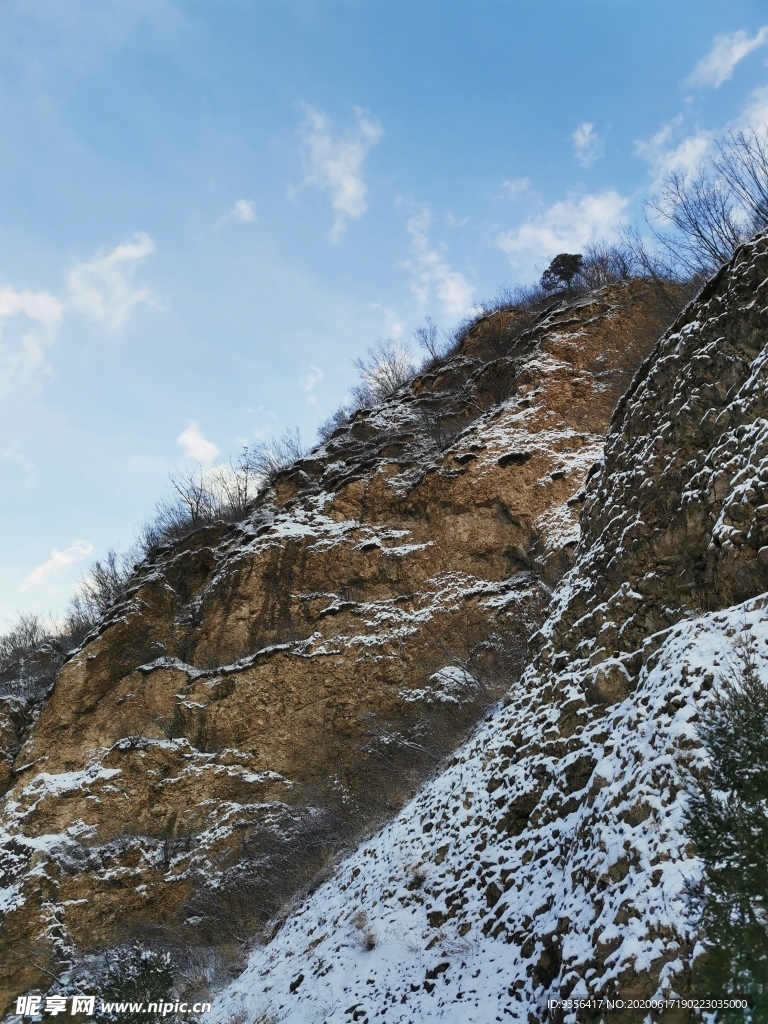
<point x="437" y="344"/>
<point x="240" y="1015"/>
<point x="191" y="504"/>
<point x="29" y="657"/>
<point x="235" y="484"/>
<point x="368" y="938"/>
<point x="202" y="495"/>
<point x="282" y="855"/>
<point x="267" y="1016"/>
<point x="268" y="458"/>
<point x="98" y="589"/>
<point x="518" y="296"/>
<point x="441" y="429"/>
<point x="500" y="331"/>
<point x="387" y="366"/>
<point x="605" y="263"/>
<point x="496" y="382"/>
<point x="673" y="286"/>
<point x="29" y="633"/>
<point x="33" y="650"/>
<point x="743" y="162"/>
<point x="337" y="419"/>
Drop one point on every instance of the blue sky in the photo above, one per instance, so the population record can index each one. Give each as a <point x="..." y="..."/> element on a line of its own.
<point x="208" y="209"/>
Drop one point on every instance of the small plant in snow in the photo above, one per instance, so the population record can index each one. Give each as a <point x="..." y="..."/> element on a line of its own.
<point x="367" y="935"/>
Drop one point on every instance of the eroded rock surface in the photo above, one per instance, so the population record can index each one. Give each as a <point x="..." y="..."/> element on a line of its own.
<point x="266" y="691"/>
<point x="550" y="860"/>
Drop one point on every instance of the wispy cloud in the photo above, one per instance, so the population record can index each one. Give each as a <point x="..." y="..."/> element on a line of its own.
<point x="76" y="552"/>
<point x="309" y="382"/>
<point x="195" y="444"/>
<point x="244" y="210"/>
<point x="102" y="288"/>
<point x="27" y="467"/>
<point x="515" y="187"/>
<point x="587" y="144"/>
<point x="431" y="275"/>
<point x="726" y="52"/>
<point x="334" y="162"/>
<point x="29" y="322"/>
<point x="566" y="226"/>
<point x="393" y="324"/>
<point x="755" y="113"/>
<point x="667" y="151"/>
<point x="452" y="221"/>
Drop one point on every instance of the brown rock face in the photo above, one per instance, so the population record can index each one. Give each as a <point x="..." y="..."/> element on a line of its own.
<point x="551" y="859"/>
<point x="676" y="521"/>
<point x="266" y="692"/>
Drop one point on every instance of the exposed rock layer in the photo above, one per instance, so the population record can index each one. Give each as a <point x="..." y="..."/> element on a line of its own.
<point x="550" y="860"/>
<point x="265" y="691"/>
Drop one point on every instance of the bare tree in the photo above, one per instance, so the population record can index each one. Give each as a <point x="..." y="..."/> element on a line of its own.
<point x="387" y="366"/>
<point x="105" y="581"/>
<point x="715" y="208"/>
<point x="235" y="484"/>
<point x="27" y="634"/>
<point x="268" y="458"/>
<point x="708" y="224"/>
<point x="97" y="590"/>
<point x="605" y="263"/>
<point x="673" y="285"/>
<point x="337" y="419"/>
<point x="742" y="162"/>
<point x="434" y="342"/>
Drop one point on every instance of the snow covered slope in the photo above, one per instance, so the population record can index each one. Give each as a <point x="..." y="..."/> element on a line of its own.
<point x="267" y="691"/>
<point x="548" y="861"/>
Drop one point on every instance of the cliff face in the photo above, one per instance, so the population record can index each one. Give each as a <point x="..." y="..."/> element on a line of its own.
<point x="266" y="692"/>
<point x="550" y="859"/>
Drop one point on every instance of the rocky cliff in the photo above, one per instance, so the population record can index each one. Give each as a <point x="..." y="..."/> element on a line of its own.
<point x="267" y="692"/>
<point x="549" y="861"/>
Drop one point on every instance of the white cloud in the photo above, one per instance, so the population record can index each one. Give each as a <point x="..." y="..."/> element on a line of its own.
<point x="688" y="153"/>
<point x="195" y="444"/>
<point x="665" y="153"/>
<point x="452" y="221"/>
<point x="727" y="51"/>
<point x="431" y="275"/>
<point x="102" y="288"/>
<point x="310" y="380"/>
<point x="334" y="163"/>
<point x="587" y="144"/>
<point x="23" y="351"/>
<point x="566" y="226"/>
<point x="514" y="187"/>
<point x="393" y="325"/>
<point x="76" y="551"/>
<point x="244" y="211"/>
<point x="755" y="114"/>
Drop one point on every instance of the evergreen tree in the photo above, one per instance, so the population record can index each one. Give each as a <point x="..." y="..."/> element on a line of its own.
<point x="728" y="822"/>
<point x="140" y="976"/>
<point x="561" y="271"/>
